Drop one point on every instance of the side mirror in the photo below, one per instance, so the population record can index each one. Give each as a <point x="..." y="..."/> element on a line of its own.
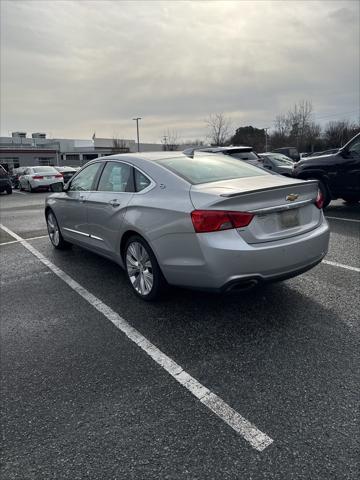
<point x="57" y="187"/>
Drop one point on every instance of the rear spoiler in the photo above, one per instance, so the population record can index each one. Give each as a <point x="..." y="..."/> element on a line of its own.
<point x="238" y="194"/>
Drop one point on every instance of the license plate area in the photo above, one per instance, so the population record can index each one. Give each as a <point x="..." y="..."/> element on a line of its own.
<point x="290" y="218"/>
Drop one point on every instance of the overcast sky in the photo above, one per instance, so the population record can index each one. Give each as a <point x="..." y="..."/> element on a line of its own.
<point x="71" y="68"/>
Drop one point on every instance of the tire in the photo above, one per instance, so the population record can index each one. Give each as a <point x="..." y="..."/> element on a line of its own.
<point x="351" y="200"/>
<point x="142" y="269"/>
<point x="31" y="190"/>
<point x="9" y="190"/>
<point x="54" y="233"/>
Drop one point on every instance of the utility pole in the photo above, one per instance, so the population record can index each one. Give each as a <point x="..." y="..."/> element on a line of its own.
<point x="137" y="131"/>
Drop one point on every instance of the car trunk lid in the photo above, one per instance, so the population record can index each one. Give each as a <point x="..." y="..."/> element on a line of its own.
<point x="282" y="206"/>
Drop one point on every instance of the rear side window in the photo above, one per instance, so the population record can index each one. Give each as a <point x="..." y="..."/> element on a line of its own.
<point x="116" y="177"/>
<point x="210" y="168"/>
<point x="141" y="182"/>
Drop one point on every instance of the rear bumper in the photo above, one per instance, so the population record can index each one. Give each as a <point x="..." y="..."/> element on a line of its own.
<point x="221" y="260"/>
<point x="45" y="183"/>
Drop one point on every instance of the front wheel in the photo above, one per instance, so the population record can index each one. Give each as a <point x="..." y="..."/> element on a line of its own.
<point x="54" y="232"/>
<point x="143" y="270"/>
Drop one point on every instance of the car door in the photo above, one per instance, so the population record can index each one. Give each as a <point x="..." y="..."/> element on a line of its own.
<point x="107" y="205"/>
<point x="347" y="178"/>
<point x="71" y="205"/>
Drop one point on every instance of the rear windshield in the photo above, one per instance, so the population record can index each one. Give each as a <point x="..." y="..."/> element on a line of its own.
<point x="44" y="170"/>
<point x="212" y="168"/>
<point x="244" y="155"/>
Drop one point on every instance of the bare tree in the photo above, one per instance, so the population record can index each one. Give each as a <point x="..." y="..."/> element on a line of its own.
<point x="119" y="146"/>
<point x="219" y="128"/>
<point x="337" y="133"/>
<point x="170" y="140"/>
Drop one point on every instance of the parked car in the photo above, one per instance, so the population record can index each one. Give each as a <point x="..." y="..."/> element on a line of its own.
<point x="291" y="152"/>
<point x="67" y="172"/>
<point x="210" y="222"/>
<point x="338" y="173"/>
<point x="5" y="182"/>
<point x="17" y="172"/>
<point x="37" y="178"/>
<point x="277" y="162"/>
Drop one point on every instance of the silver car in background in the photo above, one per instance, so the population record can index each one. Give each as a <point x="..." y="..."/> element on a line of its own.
<point x="209" y="222"/>
<point x="39" y="178"/>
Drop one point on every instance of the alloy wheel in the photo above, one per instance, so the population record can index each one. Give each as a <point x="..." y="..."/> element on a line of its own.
<point x="139" y="268"/>
<point x="53" y="229"/>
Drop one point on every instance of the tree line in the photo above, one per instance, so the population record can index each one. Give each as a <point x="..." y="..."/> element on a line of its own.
<point x="296" y="128"/>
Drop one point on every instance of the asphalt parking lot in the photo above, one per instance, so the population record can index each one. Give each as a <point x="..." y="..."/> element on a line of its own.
<point x="81" y="400"/>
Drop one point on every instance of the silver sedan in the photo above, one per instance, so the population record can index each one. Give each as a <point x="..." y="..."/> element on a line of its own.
<point x="208" y="222"/>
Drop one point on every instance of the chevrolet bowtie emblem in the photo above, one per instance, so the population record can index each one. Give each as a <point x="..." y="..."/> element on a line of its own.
<point x="291" y="197"/>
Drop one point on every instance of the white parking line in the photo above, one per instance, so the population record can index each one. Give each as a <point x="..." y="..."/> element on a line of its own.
<point x="341" y="265"/>
<point x="257" y="439"/>
<point x="345" y="219"/>
<point x="18" y="241"/>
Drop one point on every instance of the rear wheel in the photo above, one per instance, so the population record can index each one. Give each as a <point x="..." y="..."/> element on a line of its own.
<point x="54" y="232"/>
<point x="9" y="190"/>
<point x="351" y="200"/>
<point x="143" y="270"/>
<point x="30" y="189"/>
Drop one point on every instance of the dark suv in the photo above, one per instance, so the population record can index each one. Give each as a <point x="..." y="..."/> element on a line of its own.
<point x="338" y="173"/>
<point x="5" y="182"/>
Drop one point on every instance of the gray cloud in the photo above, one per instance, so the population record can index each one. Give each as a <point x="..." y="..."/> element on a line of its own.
<point x="72" y="67"/>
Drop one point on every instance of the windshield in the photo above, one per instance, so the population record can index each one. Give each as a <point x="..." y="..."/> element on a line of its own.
<point x="210" y="168"/>
<point x="280" y="159"/>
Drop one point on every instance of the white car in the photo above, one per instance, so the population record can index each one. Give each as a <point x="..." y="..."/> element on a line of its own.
<point x="39" y="178"/>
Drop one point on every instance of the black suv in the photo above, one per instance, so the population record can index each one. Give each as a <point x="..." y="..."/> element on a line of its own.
<point x="338" y="173"/>
<point x="5" y="182"/>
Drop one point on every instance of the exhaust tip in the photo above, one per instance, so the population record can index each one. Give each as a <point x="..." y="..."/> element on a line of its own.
<point x="242" y="285"/>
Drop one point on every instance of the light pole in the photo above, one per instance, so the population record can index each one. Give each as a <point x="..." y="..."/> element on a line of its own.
<point x="137" y="131"/>
<point x="266" y="137"/>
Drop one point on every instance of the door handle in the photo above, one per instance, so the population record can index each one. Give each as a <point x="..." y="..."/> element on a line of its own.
<point x="114" y="203"/>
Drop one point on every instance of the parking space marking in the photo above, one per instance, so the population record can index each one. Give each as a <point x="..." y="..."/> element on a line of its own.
<point x="345" y="219"/>
<point x="257" y="439"/>
<point x="20" y="193"/>
<point x="19" y="241"/>
<point x="341" y="265"/>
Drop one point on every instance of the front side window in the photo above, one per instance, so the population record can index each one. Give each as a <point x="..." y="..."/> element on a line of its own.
<point x="85" y="179"/>
<point x="116" y="177"/>
<point x="141" y="182"/>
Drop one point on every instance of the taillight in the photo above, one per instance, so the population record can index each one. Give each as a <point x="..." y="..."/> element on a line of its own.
<point x="215" y="220"/>
<point x="38" y="177"/>
<point x="59" y="175"/>
<point x="319" y="202"/>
